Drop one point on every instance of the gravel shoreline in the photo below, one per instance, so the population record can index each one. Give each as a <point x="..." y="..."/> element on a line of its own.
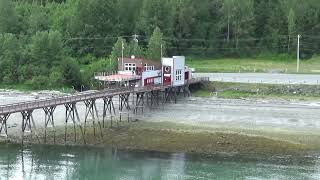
<point x="284" y="125"/>
<point x="145" y="136"/>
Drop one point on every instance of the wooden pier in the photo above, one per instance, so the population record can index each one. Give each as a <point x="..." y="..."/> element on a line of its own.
<point x="149" y="94"/>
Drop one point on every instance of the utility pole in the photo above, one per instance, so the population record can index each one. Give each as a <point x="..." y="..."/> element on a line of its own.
<point x="135" y="39"/>
<point x="161" y="50"/>
<point x="298" y="53"/>
<point x="122" y="48"/>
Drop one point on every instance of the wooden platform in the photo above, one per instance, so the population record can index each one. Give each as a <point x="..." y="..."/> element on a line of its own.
<point x="79" y="97"/>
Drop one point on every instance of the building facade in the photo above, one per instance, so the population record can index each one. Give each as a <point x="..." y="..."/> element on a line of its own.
<point x="137" y="65"/>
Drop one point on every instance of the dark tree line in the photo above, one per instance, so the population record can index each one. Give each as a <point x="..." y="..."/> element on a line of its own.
<point x="45" y="41"/>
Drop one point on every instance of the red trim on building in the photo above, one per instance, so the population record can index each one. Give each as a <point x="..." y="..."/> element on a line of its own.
<point x="149" y="81"/>
<point x="186" y="75"/>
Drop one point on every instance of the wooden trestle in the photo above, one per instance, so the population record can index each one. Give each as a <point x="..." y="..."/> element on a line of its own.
<point x="108" y="108"/>
<point x="48" y="120"/>
<point x="150" y="96"/>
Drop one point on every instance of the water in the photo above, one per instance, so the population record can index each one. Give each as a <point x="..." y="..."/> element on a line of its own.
<point x="54" y="162"/>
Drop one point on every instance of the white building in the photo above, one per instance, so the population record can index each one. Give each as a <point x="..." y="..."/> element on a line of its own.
<point x="173" y="70"/>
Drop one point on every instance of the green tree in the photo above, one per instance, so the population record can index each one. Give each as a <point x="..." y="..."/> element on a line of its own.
<point x="94" y="22"/>
<point x="156" y="46"/>
<point x="56" y="78"/>
<point x="156" y="14"/>
<point x="118" y="47"/>
<point x="71" y="72"/>
<point x="135" y="49"/>
<point x="10" y="57"/>
<point x="227" y="12"/>
<point x="184" y="23"/>
<point x="8" y="17"/>
<point x="116" y="52"/>
<point x="38" y="20"/>
<point x="39" y="82"/>
<point x="237" y="22"/>
<point x="46" y="48"/>
<point x="291" y="27"/>
<point x="276" y="29"/>
<point x="127" y="13"/>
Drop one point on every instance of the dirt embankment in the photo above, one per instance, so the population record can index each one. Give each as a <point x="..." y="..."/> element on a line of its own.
<point x="144" y="136"/>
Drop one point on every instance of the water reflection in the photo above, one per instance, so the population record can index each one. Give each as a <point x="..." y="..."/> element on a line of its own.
<point x="52" y="162"/>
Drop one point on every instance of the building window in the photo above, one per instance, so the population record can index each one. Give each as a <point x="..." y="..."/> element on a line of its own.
<point x="130" y="67"/>
<point x="148" y="68"/>
<point x="178" y="75"/>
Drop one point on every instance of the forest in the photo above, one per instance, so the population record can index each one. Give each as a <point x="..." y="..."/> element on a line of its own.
<point x="56" y="43"/>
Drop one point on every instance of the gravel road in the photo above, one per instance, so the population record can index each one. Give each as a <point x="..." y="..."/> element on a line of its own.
<point x="266" y="78"/>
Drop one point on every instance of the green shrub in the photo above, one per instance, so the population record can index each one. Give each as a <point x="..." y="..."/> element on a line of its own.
<point x="56" y="79"/>
<point x="39" y="82"/>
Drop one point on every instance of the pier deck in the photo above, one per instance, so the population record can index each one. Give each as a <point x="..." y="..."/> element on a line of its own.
<point x="83" y="96"/>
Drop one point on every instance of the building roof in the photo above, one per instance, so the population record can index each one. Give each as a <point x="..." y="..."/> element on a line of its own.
<point x="138" y="59"/>
<point x="118" y="77"/>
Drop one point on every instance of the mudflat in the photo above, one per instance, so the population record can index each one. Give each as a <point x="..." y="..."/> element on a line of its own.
<point x="196" y="125"/>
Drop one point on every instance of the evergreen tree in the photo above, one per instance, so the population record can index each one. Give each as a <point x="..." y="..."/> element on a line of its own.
<point x="38" y="20"/>
<point x="71" y="72"/>
<point x="156" y="14"/>
<point x="94" y="21"/>
<point x="46" y="49"/>
<point x="276" y="29"/>
<point x="227" y="12"/>
<point x="291" y="27"/>
<point x="8" y="17"/>
<point x="118" y="47"/>
<point x="135" y="49"/>
<point x="37" y="35"/>
<point x="10" y="57"/>
<point x="156" y="46"/>
<point x="116" y="52"/>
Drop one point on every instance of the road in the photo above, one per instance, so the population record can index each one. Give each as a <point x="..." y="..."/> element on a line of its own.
<point x="265" y="78"/>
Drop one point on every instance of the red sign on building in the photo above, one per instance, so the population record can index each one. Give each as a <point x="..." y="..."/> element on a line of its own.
<point x="166" y="75"/>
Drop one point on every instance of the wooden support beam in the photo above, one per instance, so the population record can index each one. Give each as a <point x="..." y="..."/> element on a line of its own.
<point x="171" y="94"/>
<point x="186" y="90"/>
<point x="91" y="109"/>
<point x="28" y="123"/>
<point x="124" y="101"/>
<point x="155" y="98"/>
<point x="3" y="123"/>
<point x="73" y="115"/>
<point x="139" y="103"/>
<point x="49" y="120"/>
<point x="108" y="108"/>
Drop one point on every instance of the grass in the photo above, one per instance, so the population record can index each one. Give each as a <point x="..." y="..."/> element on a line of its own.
<point x="21" y="87"/>
<point x="230" y="65"/>
<point x="228" y="94"/>
<point x="265" y="91"/>
<point x="28" y="88"/>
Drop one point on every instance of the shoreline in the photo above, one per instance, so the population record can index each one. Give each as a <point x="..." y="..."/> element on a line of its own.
<point x="154" y="137"/>
<point x="178" y="129"/>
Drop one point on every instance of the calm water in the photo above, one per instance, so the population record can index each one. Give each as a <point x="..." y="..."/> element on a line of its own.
<point x="43" y="162"/>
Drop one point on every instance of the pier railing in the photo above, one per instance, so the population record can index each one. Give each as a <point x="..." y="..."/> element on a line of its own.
<point x="40" y="103"/>
<point x="55" y="101"/>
